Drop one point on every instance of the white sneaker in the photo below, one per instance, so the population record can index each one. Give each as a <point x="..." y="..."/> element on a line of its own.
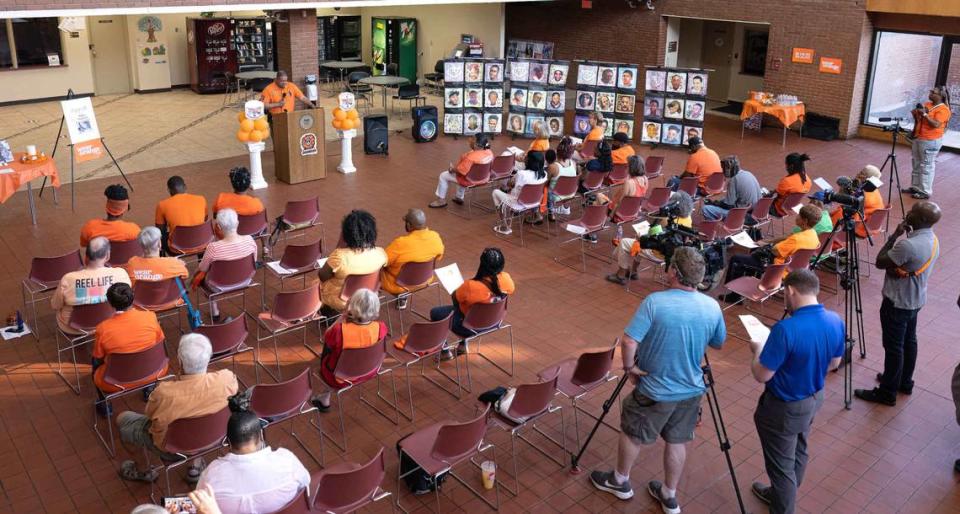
<point x="566" y="210"/>
<point x="500" y="229"/>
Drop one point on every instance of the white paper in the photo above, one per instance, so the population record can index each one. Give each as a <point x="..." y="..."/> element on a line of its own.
<point x="7" y="335"/>
<point x="80" y="120"/>
<point x="321" y="261"/>
<point x="875" y="181"/>
<point x="757" y="331"/>
<point x="449" y="277"/>
<point x="576" y="229"/>
<point x="71" y="24"/>
<point x="642" y="228"/>
<point x="4" y="171"/>
<point x="278" y="269"/>
<point x="822" y="184"/>
<point x="796" y="208"/>
<point x="514" y="150"/>
<point x="575" y="140"/>
<point x="743" y="239"/>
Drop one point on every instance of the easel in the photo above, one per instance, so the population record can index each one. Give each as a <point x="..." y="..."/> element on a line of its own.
<point x="73" y="187"/>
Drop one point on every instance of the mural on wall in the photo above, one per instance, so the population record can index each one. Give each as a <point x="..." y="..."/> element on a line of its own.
<point x="151" y="25"/>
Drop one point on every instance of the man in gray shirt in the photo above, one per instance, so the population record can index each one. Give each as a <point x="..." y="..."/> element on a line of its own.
<point x="908" y="264"/>
<point x="743" y="190"/>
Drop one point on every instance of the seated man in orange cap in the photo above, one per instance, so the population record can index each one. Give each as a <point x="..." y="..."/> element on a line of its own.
<point x="112" y="227"/>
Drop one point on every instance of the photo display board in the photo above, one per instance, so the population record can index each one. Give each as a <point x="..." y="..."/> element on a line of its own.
<point x="537" y="96"/>
<point x="674" y="104"/>
<point x="609" y="88"/>
<point x="473" y="96"/>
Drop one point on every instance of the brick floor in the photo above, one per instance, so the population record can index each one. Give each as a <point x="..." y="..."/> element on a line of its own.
<point x="869" y="459"/>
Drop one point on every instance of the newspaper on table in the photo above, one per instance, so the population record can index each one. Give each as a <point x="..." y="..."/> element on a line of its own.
<point x="757" y="331"/>
<point x="822" y="184"/>
<point x="743" y="239"/>
<point x="449" y="277"/>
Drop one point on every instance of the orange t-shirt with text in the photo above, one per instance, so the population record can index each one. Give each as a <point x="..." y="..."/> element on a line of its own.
<point x="114" y="231"/>
<point x="181" y="210"/>
<point x="155" y="269"/>
<point x="703" y="163"/>
<point x="244" y="205"/>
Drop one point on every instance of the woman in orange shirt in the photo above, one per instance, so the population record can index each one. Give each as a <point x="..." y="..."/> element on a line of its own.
<point x="238" y="200"/>
<point x="112" y="227"/>
<point x="796" y="181"/>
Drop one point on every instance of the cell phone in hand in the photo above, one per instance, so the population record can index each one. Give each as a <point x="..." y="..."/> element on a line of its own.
<point x="179" y="504"/>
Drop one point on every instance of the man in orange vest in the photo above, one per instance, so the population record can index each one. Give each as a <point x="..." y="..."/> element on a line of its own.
<point x="931" y="121"/>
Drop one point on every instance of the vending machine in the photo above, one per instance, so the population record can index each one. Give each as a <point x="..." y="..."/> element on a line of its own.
<point x="395" y="42"/>
<point x="210" y="50"/>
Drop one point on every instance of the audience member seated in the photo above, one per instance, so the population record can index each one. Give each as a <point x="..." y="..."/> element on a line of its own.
<point x="540" y="143"/>
<point x="229" y="247"/>
<point x="621" y="148"/>
<point x="239" y="200"/>
<point x="357" y="328"/>
<point x="151" y="267"/>
<point x="596" y="133"/>
<point x="702" y="163"/>
<point x="420" y="244"/>
<point x="872" y="200"/>
<point x="627" y="252"/>
<point x="602" y="161"/>
<point x="479" y="154"/>
<point x="253" y="477"/>
<point x="743" y="190"/>
<point x="112" y="227"/>
<point x="508" y="201"/>
<point x="777" y="251"/>
<point x="635" y="185"/>
<point x="181" y="209"/>
<point x="796" y="181"/>
<point x="86" y="286"/>
<point x="359" y="256"/>
<point x="559" y="164"/>
<point x="490" y="284"/>
<point x="194" y="393"/>
<point x="128" y="331"/>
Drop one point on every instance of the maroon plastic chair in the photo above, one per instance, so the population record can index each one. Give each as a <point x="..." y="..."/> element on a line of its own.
<point x="689" y="185"/>
<point x="708" y="229"/>
<point x="592" y="221"/>
<point x="484" y="319"/>
<point x="229" y="279"/>
<point x="593" y="182"/>
<point x="228" y="340"/>
<point x="502" y="167"/>
<point x="161" y="297"/>
<point x="653" y="167"/>
<point x="253" y="225"/>
<point x="299" y="260"/>
<point x="531" y="403"/>
<point x="478" y="177"/>
<point x="656" y="199"/>
<point x="440" y="447"/>
<point x="189" y="438"/>
<point x="302" y="215"/>
<point x="191" y="240"/>
<point x="130" y="372"/>
<point x="284" y="401"/>
<point x="760" y="212"/>
<point x="292" y="310"/>
<point x="628" y="210"/>
<point x="733" y="223"/>
<point x="44" y="277"/>
<point x="758" y="290"/>
<point x="122" y="251"/>
<point x="874" y="224"/>
<point x="83" y="321"/>
<point x="716" y="184"/>
<point x="354" y="283"/>
<point x="300" y="504"/>
<point x="424" y="340"/>
<point x="528" y="201"/>
<point x="577" y="378"/>
<point x="618" y="175"/>
<point x="346" y="487"/>
<point x="588" y="148"/>
<point x="565" y="190"/>
<point x="787" y="205"/>
<point x="412" y="278"/>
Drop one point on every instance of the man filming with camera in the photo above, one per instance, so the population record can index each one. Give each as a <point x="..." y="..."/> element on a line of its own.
<point x="866" y="185"/>
<point x="662" y="350"/>
<point x="793" y="363"/>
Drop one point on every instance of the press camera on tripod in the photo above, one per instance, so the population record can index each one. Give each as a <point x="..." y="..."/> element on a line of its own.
<point x="675" y="235"/>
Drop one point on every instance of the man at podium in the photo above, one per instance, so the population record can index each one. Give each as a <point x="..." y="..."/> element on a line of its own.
<point x="281" y="96"/>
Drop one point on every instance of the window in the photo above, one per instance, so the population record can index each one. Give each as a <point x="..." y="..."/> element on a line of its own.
<point x="6" y="60"/>
<point x="35" y="40"/>
<point x="754" y="52"/>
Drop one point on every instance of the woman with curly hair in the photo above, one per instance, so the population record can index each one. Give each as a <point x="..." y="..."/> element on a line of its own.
<point x="239" y="200"/>
<point x="358" y="255"/>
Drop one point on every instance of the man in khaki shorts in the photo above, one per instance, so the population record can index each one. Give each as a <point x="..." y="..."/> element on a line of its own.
<point x="662" y="350"/>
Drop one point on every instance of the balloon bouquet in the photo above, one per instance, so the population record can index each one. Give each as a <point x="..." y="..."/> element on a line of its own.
<point x="254" y="130"/>
<point x="346" y="120"/>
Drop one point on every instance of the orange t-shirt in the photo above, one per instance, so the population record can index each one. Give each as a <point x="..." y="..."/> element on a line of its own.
<point x="474" y="291"/>
<point x="596" y="134"/>
<point x="940" y="113"/>
<point x="539" y="145"/>
<point x="288" y="95"/>
<point x="703" y="163"/>
<point x="803" y="240"/>
<point x="417" y="246"/>
<point x="872" y="201"/>
<point x="245" y="205"/>
<point x="126" y="332"/>
<point x="620" y="155"/>
<point x="472" y="157"/>
<point x="790" y="184"/>
<point x="155" y="269"/>
<point x="182" y="209"/>
<point x="116" y="230"/>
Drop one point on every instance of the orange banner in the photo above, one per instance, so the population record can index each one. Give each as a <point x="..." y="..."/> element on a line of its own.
<point x="802" y="55"/>
<point x="831" y="65"/>
<point x="88" y="150"/>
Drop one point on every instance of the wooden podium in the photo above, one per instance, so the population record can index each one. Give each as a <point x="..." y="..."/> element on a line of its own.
<point x="299" y="146"/>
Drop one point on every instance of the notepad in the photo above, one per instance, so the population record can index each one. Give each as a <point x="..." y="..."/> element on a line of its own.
<point x="642" y="228"/>
<point x="280" y="270"/>
<point x="576" y="229"/>
<point x="822" y="184"/>
<point x="757" y="331"/>
<point x="449" y="277"/>
<point x="743" y="239"/>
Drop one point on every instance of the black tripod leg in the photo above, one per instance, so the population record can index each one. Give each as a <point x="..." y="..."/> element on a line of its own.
<point x="575" y="462"/>
<point x="117" y="164"/>
<point x="721" y="429"/>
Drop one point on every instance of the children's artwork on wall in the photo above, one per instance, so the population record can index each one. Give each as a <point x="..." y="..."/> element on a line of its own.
<point x="608" y="128"/>
<point x="452" y="98"/>
<point x="555" y="126"/>
<point x="493" y="97"/>
<point x="656" y="80"/>
<point x="625" y="104"/>
<point x="491" y="122"/>
<point x="494" y="72"/>
<point x="624" y="126"/>
<point x="607" y="76"/>
<point x="472" y="123"/>
<point x="519" y="71"/>
<point x="697" y="84"/>
<point x="689" y="132"/>
<point x="558" y="74"/>
<point x="651" y="132"/>
<point x="534" y="123"/>
<point x="673" y="108"/>
<point x="452" y="72"/>
<point x="671" y="134"/>
<point x="676" y="82"/>
<point x="653" y="107"/>
<point x="587" y="75"/>
<point x="627" y="78"/>
<point x="694" y="110"/>
<point x="606" y="102"/>
<point x="515" y="123"/>
<point x="585" y="100"/>
<point x="556" y="101"/>
<point x="453" y="123"/>
<point x="581" y="124"/>
<point x="537" y="99"/>
<point x="474" y="97"/>
<point x="473" y="72"/>
<point x="518" y="97"/>
<point x="538" y="73"/>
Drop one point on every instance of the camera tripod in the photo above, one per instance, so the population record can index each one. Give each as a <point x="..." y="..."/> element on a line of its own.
<point x="715" y="415"/>
<point x="852" y="299"/>
<point x="891" y="160"/>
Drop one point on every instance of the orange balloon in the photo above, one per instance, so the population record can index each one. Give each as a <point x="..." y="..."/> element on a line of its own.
<point x="241" y="116"/>
<point x="261" y="124"/>
<point x="246" y="125"/>
<point x="255" y="136"/>
<point x="336" y="124"/>
<point x="346" y="124"/>
<point x="339" y="114"/>
<point x="353" y="114"/>
<point x="243" y="136"/>
<point x="264" y="134"/>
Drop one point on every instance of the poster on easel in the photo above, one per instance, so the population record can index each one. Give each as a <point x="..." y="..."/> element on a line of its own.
<point x="82" y="127"/>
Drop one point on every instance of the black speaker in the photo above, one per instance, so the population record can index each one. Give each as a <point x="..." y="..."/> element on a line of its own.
<point x="425" y="126"/>
<point x="375" y="134"/>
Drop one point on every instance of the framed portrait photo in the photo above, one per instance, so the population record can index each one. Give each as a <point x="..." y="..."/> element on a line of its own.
<point x="453" y="123"/>
<point x="651" y="132"/>
<point x="653" y="107"/>
<point x="518" y="97"/>
<point x="556" y="100"/>
<point x="472" y="123"/>
<point x="493" y="97"/>
<point x="515" y="123"/>
<point x="608" y="128"/>
<point x="473" y="72"/>
<point x="627" y="77"/>
<point x="626" y="104"/>
<point x="534" y="123"/>
<point x="673" y="108"/>
<point x="558" y="74"/>
<point x="473" y="97"/>
<point x="453" y="98"/>
<point x="624" y="126"/>
<point x="492" y="123"/>
<point x="607" y="76"/>
<point x="587" y="75"/>
<point x="538" y="73"/>
<point x="519" y="71"/>
<point x="656" y="80"/>
<point x="689" y="132"/>
<point x="671" y="134"/>
<point x="606" y="101"/>
<point x="452" y="72"/>
<point x="581" y="124"/>
<point x="694" y="110"/>
<point x="493" y="72"/>
<point x="697" y="84"/>
<point x="537" y="99"/>
<point x="555" y="125"/>
<point x="676" y="82"/>
<point x="585" y="100"/>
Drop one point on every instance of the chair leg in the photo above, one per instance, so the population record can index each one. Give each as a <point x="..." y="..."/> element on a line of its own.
<point x="490" y="360"/>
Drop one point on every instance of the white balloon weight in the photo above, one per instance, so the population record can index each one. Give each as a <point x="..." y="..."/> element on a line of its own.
<point x="256" y="169"/>
<point x="346" y="151"/>
<point x="346" y="101"/>
<point x="253" y="109"/>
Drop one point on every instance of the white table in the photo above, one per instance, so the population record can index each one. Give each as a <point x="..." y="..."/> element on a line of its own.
<point x="384" y="81"/>
<point x="342" y="66"/>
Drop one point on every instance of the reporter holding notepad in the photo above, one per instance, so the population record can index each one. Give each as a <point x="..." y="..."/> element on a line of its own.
<point x="793" y="363"/>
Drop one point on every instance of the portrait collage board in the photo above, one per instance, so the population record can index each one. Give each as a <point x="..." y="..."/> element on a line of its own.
<point x="674" y="104"/>
<point x="537" y="96"/>
<point x="609" y="88"/>
<point x="473" y="96"/>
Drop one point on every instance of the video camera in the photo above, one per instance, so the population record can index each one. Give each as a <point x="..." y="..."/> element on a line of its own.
<point x="675" y="236"/>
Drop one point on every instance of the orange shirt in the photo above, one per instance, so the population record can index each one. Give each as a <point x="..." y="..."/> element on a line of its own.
<point x="803" y="240"/>
<point x="472" y="157"/>
<point x="940" y="113"/>
<point x="126" y="332"/>
<point x="703" y="163"/>
<point x="596" y="134"/>
<point x="790" y="184"/>
<point x="417" y="246"/>
<point x="245" y="205"/>
<point x="182" y="209"/>
<point x="155" y="269"/>
<point x="872" y="201"/>
<point x="539" y="145"/>
<point x="116" y="230"/>
<point x="474" y="291"/>
<point x="621" y="154"/>
<point x="288" y="95"/>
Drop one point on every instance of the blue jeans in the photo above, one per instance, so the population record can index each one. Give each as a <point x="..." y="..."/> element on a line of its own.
<point x="456" y="323"/>
<point x="924" y="163"/>
<point x="899" y="328"/>
<point x="714" y="212"/>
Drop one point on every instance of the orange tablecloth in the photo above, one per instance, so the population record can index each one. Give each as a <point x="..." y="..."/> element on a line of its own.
<point x="787" y="114"/>
<point x="25" y="172"/>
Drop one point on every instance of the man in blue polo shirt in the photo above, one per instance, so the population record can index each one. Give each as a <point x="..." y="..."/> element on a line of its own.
<point x="793" y="364"/>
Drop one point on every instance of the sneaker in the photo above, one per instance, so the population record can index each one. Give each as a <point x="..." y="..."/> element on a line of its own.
<point x="437" y="204"/>
<point x="761" y="491"/>
<point x="616" y="279"/>
<point x="462" y="348"/>
<point x="502" y="230"/>
<point x="458" y="201"/>
<point x="606" y="481"/>
<point x="875" y="395"/>
<point x="909" y="190"/>
<point x="447" y="355"/>
<point x="128" y="471"/>
<point x="193" y="473"/>
<point x="402" y="302"/>
<point x="920" y="195"/>
<point x="590" y="238"/>
<point x="566" y="210"/>
<point x="902" y="390"/>
<point x="669" y="505"/>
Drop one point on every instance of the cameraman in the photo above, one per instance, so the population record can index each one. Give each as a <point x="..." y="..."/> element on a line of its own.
<point x="662" y="349"/>
<point x="743" y="190"/>
<point x="931" y="121"/>
<point x="627" y="251"/>
<point x="793" y="363"/>
<point x="872" y="199"/>
<point x="777" y="251"/>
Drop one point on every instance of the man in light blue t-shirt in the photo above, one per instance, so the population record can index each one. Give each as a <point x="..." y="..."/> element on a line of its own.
<point x="662" y="350"/>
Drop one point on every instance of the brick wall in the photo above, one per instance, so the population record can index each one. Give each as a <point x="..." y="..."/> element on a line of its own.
<point x="614" y="32"/>
<point x="297" y="44"/>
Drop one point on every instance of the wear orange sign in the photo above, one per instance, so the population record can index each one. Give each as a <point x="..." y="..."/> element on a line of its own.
<point x="830" y="65"/>
<point x="88" y="150"/>
<point x="803" y="55"/>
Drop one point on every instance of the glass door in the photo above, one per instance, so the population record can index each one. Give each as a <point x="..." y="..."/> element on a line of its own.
<point x="950" y="76"/>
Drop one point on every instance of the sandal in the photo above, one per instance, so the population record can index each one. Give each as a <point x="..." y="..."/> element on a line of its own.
<point x="128" y="471"/>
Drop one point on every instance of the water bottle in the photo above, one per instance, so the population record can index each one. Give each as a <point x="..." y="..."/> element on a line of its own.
<point x="616" y="240"/>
